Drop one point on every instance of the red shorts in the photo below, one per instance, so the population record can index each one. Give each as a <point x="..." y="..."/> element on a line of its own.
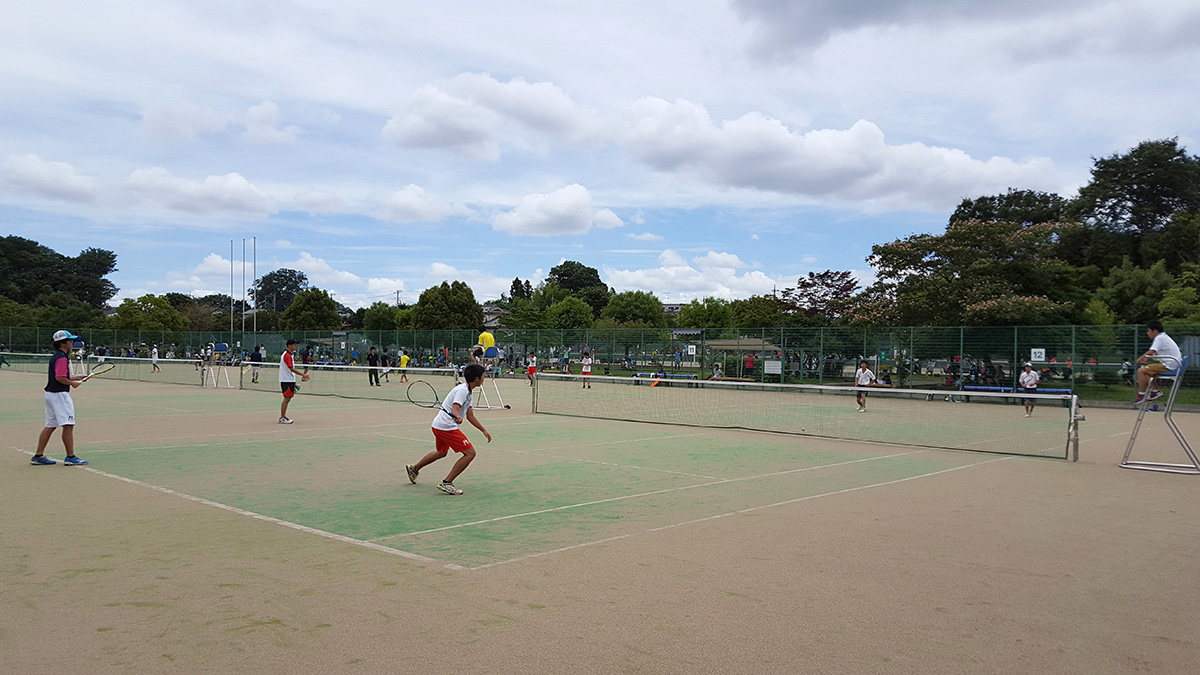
<point x="532" y="370"/>
<point x="451" y="440"/>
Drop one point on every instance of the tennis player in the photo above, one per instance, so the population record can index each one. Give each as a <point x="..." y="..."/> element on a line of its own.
<point x="287" y="378"/>
<point x="154" y="359"/>
<point x="60" y="409"/>
<point x="1029" y="382"/>
<point x="403" y="365"/>
<point x="1163" y="355"/>
<point x="448" y="436"/>
<point x="256" y="359"/>
<point x="863" y="377"/>
<point x="532" y="368"/>
<point x="585" y="367"/>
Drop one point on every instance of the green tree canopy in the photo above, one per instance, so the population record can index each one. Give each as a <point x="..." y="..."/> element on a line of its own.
<point x="707" y="313"/>
<point x="759" y="311"/>
<point x="149" y="312"/>
<point x="823" y="295"/>
<point x="1141" y="190"/>
<point x="1027" y="207"/>
<point x="1133" y="293"/>
<point x="13" y="313"/>
<point x="569" y="313"/>
<point x="574" y="276"/>
<point x="277" y="289"/>
<point x="380" y="316"/>
<point x="974" y="273"/>
<point x="311" y="309"/>
<point x="635" y="307"/>
<point x="29" y="270"/>
<point x="449" y="306"/>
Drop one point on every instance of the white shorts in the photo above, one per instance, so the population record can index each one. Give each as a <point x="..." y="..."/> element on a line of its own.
<point x="60" y="409"/>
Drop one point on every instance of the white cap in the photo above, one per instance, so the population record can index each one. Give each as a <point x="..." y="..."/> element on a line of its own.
<point x="1028" y="365"/>
<point x="63" y="335"/>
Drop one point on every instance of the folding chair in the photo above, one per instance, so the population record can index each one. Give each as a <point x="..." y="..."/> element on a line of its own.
<point x="1193" y="469"/>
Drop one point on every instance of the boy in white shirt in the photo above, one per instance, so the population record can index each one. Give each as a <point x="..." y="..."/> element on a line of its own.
<point x="1166" y="356"/>
<point x="585" y="367"/>
<point x="863" y="377"/>
<point x="449" y="436"/>
<point x="1029" y="382"/>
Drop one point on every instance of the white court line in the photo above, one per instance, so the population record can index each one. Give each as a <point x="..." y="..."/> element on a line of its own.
<point x="733" y="513"/>
<point x="277" y="521"/>
<point x="241" y="442"/>
<point x="537" y="453"/>
<point x="645" y="494"/>
<point x="291" y="429"/>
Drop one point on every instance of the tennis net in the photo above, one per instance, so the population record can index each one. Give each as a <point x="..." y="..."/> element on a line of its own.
<point x="980" y="421"/>
<point x="350" y="381"/>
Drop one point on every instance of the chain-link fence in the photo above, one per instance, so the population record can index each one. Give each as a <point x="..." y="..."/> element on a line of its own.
<point x="1086" y="359"/>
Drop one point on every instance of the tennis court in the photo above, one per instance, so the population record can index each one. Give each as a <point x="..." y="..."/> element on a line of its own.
<point x="204" y="536"/>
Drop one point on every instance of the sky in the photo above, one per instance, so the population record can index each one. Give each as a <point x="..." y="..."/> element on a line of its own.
<point x="704" y="148"/>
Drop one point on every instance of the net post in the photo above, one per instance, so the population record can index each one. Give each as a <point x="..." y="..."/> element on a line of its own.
<point x="1074" y="440"/>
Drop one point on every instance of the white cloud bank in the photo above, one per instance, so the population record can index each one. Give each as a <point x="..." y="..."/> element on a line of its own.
<point x="855" y="165"/>
<point x="230" y="193"/>
<point x="564" y="211"/>
<point x="713" y="274"/>
<point x="51" y="180"/>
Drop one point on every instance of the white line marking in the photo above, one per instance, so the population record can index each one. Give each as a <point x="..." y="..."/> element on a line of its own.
<point x="734" y="513"/>
<point x="295" y="526"/>
<point x="645" y="494"/>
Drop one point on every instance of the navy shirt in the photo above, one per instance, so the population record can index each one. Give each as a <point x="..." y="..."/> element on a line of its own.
<point x="53" y="385"/>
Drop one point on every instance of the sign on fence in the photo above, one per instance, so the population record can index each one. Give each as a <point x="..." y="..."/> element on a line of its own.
<point x="1037" y="354"/>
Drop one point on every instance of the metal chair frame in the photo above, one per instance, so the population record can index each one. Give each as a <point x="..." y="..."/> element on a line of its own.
<point x="1193" y="469"/>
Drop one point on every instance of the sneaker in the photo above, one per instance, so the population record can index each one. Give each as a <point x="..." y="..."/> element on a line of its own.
<point x="1028" y="415"/>
<point x="862" y="410"/>
<point x="74" y="461"/>
<point x="1138" y="399"/>
<point x="448" y="488"/>
<point x="1155" y="394"/>
<point x="285" y="420"/>
<point x="41" y="459"/>
<point x="412" y="473"/>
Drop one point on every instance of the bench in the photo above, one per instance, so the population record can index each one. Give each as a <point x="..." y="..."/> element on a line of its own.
<point x="680" y="376"/>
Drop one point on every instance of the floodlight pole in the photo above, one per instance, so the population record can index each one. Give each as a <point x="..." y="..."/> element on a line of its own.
<point x="254" y="271"/>
<point x="230" y="289"/>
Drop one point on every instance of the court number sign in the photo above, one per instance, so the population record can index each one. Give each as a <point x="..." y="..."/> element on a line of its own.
<point x="1037" y="354"/>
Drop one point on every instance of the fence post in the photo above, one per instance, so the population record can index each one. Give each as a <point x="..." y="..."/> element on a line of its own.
<point x="821" y="357"/>
<point x="1016" y="357"/>
<point x="962" y="361"/>
<point x="1074" y="357"/>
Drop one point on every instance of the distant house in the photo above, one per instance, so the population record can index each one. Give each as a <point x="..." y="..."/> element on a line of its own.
<point x="493" y="317"/>
<point x="672" y="307"/>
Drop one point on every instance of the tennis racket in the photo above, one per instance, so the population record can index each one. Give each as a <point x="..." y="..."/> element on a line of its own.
<point x="421" y="393"/>
<point x="100" y="370"/>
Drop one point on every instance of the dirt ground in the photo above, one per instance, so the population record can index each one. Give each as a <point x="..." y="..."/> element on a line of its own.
<point x="999" y="565"/>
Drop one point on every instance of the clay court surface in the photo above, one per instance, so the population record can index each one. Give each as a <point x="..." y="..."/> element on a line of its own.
<point x="205" y="537"/>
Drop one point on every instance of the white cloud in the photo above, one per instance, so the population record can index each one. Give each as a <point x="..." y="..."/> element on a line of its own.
<point x="413" y="204"/>
<point x="230" y="193"/>
<point x="808" y="260"/>
<point x="714" y="259"/>
<point x="284" y="243"/>
<point x="182" y="121"/>
<point x="851" y="166"/>
<point x="261" y="121"/>
<point x="315" y="200"/>
<point x="377" y="285"/>
<point x="645" y="236"/>
<point x="437" y="119"/>
<point x="564" y="211"/>
<point x="485" y="286"/>
<point x="212" y="272"/>
<point x="676" y="281"/>
<point x="321" y="273"/>
<point x="52" y="180"/>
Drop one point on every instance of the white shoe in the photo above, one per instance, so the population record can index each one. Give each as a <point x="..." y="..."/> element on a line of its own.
<point x="1028" y="414"/>
<point x="862" y="410"/>
<point x="285" y="420"/>
<point x="448" y="488"/>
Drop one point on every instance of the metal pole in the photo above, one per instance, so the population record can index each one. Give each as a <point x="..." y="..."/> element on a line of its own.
<point x="231" y="289"/>
<point x="255" y="274"/>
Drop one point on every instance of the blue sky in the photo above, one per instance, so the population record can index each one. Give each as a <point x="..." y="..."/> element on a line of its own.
<point x="689" y="149"/>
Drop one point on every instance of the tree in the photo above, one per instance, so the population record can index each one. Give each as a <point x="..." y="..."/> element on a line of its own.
<point x="1177" y="245"/>
<point x="574" y="276"/>
<point x="959" y="276"/>
<point x="633" y="307"/>
<point x="29" y="270"/>
<point x="759" y="311"/>
<point x="277" y="289"/>
<point x="13" y="313"/>
<point x="1139" y="192"/>
<point x="149" y="312"/>
<point x="1134" y="293"/>
<point x="1027" y="207"/>
<point x="380" y="316"/>
<point x="569" y="313"/>
<point x="311" y="309"/>
<point x="707" y="313"/>
<point x="446" y="307"/>
<point x="404" y="318"/>
<point x="1182" y="303"/>
<point x="825" y="295"/>
<point x="596" y="297"/>
<point x="62" y="309"/>
<point x="520" y="291"/>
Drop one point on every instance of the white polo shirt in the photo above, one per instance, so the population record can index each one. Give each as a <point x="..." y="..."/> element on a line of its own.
<point x="1030" y="380"/>
<point x="1166" y="351"/>
<point x="864" y="377"/>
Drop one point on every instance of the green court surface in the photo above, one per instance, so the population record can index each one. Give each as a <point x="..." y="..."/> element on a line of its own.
<point x="545" y="483"/>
